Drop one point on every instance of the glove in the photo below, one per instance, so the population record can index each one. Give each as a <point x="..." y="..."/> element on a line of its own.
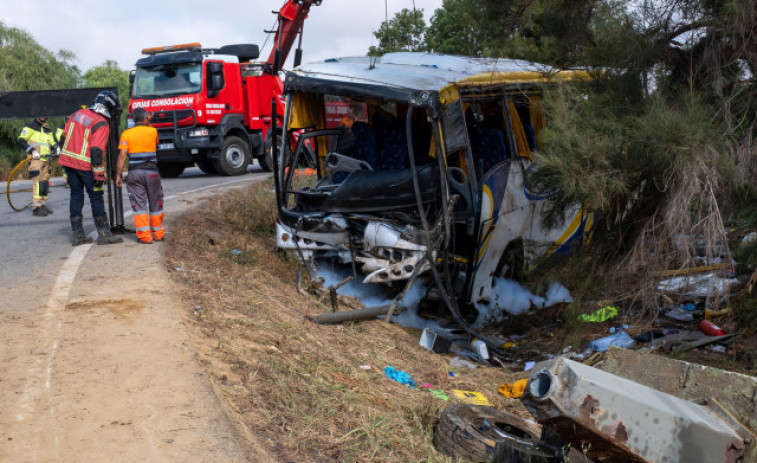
<point x="35" y="154"/>
<point x="98" y="185"/>
<point x="56" y="151"/>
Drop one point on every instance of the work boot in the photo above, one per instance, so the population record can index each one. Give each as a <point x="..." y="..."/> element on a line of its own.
<point x="48" y="211"/>
<point x="78" y="229"/>
<point x="104" y="236"/>
<point x="39" y="212"/>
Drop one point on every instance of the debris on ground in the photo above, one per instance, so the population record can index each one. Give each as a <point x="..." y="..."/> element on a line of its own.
<point x="603" y="314"/>
<point x="471" y="397"/>
<point x="622" y="420"/>
<point x="620" y="339"/>
<point x="513" y="390"/>
<point x="399" y="376"/>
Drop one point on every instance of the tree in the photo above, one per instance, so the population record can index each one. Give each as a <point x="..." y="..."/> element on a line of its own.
<point x="25" y="65"/>
<point x="110" y="75"/>
<point x="662" y="135"/>
<point x="404" y="32"/>
<point x="455" y="29"/>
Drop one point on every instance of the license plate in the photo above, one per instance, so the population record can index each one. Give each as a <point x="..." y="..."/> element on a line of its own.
<point x="165" y="146"/>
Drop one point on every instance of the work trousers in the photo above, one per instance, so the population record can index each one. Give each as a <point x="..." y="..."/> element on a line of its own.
<point x="78" y="181"/>
<point x="39" y="172"/>
<point x="146" y="197"/>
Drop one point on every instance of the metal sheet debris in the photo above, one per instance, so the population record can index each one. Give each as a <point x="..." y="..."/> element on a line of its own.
<point x="615" y="419"/>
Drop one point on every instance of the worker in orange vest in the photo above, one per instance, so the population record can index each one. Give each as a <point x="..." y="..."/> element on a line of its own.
<point x="85" y="141"/>
<point x="138" y="145"/>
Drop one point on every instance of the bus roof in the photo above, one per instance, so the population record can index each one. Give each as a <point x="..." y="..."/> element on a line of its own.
<point x="403" y="76"/>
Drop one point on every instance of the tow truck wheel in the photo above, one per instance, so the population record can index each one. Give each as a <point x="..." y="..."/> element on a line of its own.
<point x="170" y="169"/>
<point x="234" y="158"/>
<point x="207" y="166"/>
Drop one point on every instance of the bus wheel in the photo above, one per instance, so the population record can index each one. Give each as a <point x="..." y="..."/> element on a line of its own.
<point x="234" y="158"/>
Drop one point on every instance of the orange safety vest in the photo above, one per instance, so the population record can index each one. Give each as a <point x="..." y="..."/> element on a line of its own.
<point x="140" y="142"/>
<point x="86" y="140"/>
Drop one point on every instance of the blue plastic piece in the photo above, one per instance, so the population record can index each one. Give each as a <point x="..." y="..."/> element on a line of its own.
<point x="399" y="376"/>
<point x="621" y="339"/>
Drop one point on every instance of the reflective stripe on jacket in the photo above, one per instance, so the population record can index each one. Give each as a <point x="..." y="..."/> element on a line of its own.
<point x="86" y="138"/>
<point x="35" y="135"/>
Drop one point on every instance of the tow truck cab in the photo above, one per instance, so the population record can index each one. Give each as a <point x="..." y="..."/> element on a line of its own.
<point x="201" y="106"/>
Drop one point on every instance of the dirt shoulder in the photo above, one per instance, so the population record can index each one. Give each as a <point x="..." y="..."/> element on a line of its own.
<point x="106" y="371"/>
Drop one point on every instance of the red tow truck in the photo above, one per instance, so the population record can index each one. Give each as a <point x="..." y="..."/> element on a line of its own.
<point x="213" y="106"/>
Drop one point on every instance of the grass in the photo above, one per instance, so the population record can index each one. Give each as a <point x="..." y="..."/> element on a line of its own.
<point x="302" y="388"/>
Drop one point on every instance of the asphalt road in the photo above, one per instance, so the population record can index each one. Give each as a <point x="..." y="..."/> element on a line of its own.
<point x="33" y="249"/>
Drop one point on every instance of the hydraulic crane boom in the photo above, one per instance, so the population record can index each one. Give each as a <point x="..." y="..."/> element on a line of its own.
<point x="291" y="17"/>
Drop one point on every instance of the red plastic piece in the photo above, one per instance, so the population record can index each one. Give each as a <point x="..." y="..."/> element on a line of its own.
<point x="710" y="329"/>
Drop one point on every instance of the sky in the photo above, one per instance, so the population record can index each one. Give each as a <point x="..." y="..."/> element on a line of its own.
<point x="96" y="31"/>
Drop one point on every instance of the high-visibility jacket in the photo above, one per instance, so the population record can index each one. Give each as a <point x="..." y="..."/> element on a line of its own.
<point x="37" y="136"/>
<point x="140" y="142"/>
<point x="86" y="138"/>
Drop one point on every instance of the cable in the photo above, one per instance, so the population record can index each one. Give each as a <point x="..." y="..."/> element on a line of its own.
<point x="8" y="187"/>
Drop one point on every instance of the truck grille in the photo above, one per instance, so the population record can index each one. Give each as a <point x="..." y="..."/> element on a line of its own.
<point x="183" y="117"/>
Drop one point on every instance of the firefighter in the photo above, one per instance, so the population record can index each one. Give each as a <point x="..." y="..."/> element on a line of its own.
<point x="85" y="140"/>
<point x="143" y="183"/>
<point x="58" y="143"/>
<point x="37" y="140"/>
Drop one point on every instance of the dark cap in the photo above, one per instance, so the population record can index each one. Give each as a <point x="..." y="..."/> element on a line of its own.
<point x="139" y="115"/>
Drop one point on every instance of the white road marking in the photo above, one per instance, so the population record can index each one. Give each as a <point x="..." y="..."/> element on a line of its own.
<point x="56" y="303"/>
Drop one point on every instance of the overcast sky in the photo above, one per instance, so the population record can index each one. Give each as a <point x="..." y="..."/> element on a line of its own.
<point x="96" y="31"/>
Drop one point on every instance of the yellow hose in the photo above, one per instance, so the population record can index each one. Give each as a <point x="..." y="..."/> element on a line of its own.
<point x="8" y="187"/>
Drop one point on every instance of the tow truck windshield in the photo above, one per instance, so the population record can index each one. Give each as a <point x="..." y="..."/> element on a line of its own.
<point x="158" y="81"/>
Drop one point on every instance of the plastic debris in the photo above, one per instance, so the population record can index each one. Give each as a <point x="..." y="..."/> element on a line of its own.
<point x="697" y="285"/>
<point x="472" y="397"/>
<point x="649" y="336"/>
<point x="480" y="348"/>
<point x="236" y="252"/>
<point x="583" y="355"/>
<point x="710" y="314"/>
<point x="436" y="342"/>
<point x="750" y="238"/>
<point x="365" y="367"/>
<point x="513" y="390"/>
<point x="677" y="314"/>
<point x="615" y="329"/>
<point x="528" y="365"/>
<point x="458" y="362"/>
<point x="399" y="376"/>
<point x="710" y="329"/>
<point x="620" y="339"/>
<point x="439" y="394"/>
<point x="603" y="314"/>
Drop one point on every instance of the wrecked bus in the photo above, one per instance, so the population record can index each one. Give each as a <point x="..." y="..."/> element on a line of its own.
<point x="424" y="173"/>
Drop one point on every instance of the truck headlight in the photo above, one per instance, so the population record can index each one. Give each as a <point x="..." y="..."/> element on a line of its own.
<point x="199" y="133"/>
